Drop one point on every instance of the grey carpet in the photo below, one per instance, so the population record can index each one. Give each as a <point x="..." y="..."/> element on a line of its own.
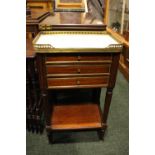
<point x="116" y="141"/>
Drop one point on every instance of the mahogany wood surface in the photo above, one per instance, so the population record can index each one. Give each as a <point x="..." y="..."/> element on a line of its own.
<point x="78" y="57"/>
<point x="111" y="85"/>
<point x="39" y="5"/>
<point x="30" y="53"/>
<point x="75" y="116"/>
<point x="36" y="17"/>
<point x="79" y="81"/>
<point x="33" y="20"/>
<point x="77" y="69"/>
<point x="74" y="73"/>
<point x="70" y="5"/>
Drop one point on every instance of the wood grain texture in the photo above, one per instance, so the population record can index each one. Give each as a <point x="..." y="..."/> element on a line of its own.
<point x="77" y="69"/>
<point x="74" y="69"/>
<point x="79" y="81"/>
<point x="75" y="116"/>
<point x="113" y="70"/>
<point x="70" y="5"/>
<point x="32" y="22"/>
<point x="36" y="17"/>
<point x="38" y="6"/>
<point x="79" y="57"/>
<point x="30" y="53"/>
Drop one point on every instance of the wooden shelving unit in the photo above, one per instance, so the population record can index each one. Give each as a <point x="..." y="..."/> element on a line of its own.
<point x="100" y="71"/>
<point x="73" y="80"/>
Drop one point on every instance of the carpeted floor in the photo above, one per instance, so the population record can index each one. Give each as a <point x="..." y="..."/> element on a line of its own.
<point x="116" y="140"/>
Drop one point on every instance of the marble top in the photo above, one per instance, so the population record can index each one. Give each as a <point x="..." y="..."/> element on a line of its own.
<point x="76" y="40"/>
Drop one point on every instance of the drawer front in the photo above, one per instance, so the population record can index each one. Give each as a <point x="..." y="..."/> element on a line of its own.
<point x="77" y="82"/>
<point x="37" y="6"/>
<point x="61" y="58"/>
<point x="78" y="58"/>
<point x="77" y="69"/>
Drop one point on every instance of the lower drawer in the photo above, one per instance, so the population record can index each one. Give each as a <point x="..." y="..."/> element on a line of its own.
<point x="101" y="81"/>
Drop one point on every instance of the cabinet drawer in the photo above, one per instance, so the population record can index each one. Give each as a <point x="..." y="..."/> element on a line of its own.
<point x="77" y="69"/>
<point x="78" y="82"/>
<point x="78" y="58"/>
<point x="39" y="6"/>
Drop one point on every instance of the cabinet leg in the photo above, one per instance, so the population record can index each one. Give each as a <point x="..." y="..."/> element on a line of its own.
<point x="50" y="137"/>
<point x="107" y="105"/>
<point x="101" y="134"/>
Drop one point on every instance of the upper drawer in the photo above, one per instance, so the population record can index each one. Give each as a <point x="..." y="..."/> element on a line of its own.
<point x="107" y="58"/>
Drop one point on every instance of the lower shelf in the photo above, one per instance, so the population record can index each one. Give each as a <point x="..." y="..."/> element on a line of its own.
<point x="76" y="116"/>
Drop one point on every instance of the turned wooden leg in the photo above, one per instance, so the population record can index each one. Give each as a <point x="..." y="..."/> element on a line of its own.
<point x="107" y="105"/>
<point x="50" y="136"/>
<point x="106" y="110"/>
<point x="101" y="133"/>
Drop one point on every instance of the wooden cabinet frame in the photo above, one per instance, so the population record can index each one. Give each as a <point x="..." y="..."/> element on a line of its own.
<point x="124" y="62"/>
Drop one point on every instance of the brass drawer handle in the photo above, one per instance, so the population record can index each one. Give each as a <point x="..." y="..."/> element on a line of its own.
<point x="78" y="82"/>
<point x="78" y="70"/>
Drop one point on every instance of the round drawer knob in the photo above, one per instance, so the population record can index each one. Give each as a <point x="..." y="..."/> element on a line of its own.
<point x="78" y="70"/>
<point x="79" y="58"/>
<point x="78" y="82"/>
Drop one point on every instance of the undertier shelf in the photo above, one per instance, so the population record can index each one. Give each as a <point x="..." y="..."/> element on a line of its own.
<point x="76" y="116"/>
